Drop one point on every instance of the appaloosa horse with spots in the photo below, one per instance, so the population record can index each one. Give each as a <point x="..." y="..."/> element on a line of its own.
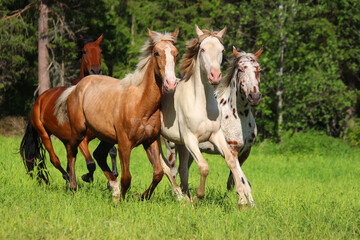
<point x="236" y="94"/>
<point x="190" y="115"/>
<point x="43" y="123"/>
<point x="125" y="112"/>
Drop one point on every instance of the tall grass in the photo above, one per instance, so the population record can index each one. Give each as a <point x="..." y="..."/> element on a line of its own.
<point x="305" y="188"/>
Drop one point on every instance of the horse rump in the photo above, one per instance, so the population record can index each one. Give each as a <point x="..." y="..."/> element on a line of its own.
<point x="33" y="153"/>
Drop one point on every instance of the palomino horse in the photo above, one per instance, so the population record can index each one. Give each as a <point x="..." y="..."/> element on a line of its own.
<point x="190" y="114"/>
<point x="123" y="112"/>
<point x="236" y="94"/>
<point x="43" y="122"/>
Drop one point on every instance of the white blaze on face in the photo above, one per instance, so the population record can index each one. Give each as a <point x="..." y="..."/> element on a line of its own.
<point x="170" y="79"/>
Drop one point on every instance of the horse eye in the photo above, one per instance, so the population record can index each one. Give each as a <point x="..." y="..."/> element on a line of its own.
<point x="84" y="52"/>
<point x="202" y="50"/>
<point x="157" y="54"/>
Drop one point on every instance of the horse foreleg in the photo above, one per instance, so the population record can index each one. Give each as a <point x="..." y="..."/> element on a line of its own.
<point x="153" y="153"/>
<point x="100" y="155"/>
<point x="164" y="163"/>
<point x="242" y="186"/>
<point x="90" y="164"/>
<point x="192" y="145"/>
<point x="124" y="149"/>
<point x="171" y="153"/>
<point x="113" y="153"/>
<point x="242" y="157"/>
<point x="183" y="168"/>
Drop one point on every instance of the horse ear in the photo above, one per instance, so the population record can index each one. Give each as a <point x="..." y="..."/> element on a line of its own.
<point x="235" y="52"/>
<point x="175" y="34"/>
<point x="150" y="33"/>
<point x="198" y="31"/>
<point x="98" y="41"/>
<point x="258" y="53"/>
<point x="221" y="33"/>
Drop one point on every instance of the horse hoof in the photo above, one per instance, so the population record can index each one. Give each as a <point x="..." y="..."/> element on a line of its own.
<point x="243" y="207"/>
<point x="117" y="199"/>
<point x="86" y="178"/>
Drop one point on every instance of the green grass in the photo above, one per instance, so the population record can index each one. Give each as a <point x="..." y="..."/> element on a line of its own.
<point x="305" y="188"/>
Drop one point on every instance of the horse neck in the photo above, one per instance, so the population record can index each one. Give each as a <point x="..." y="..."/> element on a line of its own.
<point x="82" y="71"/>
<point x="82" y="75"/>
<point x="202" y="89"/>
<point x="242" y="104"/>
<point x="151" y="88"/>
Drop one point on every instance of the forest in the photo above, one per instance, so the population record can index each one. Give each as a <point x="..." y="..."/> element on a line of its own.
<point x="310" y="62"/>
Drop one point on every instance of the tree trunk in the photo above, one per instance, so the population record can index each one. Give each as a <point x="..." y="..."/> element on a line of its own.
<point x="43" y="54"/>
<point x="279" y="91"/>
<point x="132" y="29"/>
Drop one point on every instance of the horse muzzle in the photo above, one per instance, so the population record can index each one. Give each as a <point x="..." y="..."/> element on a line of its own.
<point x="254" y="98"/>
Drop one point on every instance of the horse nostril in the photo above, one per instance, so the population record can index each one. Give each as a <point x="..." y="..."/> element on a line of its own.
<point x="212" y="75"/>
<point x="250" y="95"/>
<point x="92" y="71"/>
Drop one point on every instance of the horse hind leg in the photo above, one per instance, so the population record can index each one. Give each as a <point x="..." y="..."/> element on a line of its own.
<point x="113" y="153"/>
<point x="242" y="157"/>
<point x="100" y="154"/>
<point x="153" y="153"/>
<point x="90" y="164"/>
<point x="45" y="138"/>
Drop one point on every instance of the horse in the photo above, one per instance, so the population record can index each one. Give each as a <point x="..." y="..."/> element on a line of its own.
<point x="235" y="95"/>
<point x="130" y="107"/>
<point x="43" y="123"/>
<point x="190" y="114"/>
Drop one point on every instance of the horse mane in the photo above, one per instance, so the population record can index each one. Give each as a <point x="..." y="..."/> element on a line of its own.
<point x="192" y="49"/>
<point x="225" y="82"/>
<point x="136" y="77"/>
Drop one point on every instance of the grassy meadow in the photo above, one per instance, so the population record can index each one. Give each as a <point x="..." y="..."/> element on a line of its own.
<point x="307" y="187"/>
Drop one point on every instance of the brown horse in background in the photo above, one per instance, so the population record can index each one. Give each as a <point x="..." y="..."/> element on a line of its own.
<point x="43" y="123"/>
<point x="130" y="108"/>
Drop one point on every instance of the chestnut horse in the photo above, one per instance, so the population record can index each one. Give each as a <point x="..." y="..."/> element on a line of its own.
<point x="123" y="112"/>
<point x="190" y="114"/>
<point x="43" y="123"/>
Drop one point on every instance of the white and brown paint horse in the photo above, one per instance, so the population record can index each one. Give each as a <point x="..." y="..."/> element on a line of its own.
<point x="236" y="94"/>
<point x="125" y="112"/>
<point x="190" y="115"/>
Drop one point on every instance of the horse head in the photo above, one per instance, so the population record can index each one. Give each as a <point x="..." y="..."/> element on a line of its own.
<point x="164" y="55"/>
<point x="248" y="75"/>
<point x="211" y="53"/>
<point x="91" y="57"/>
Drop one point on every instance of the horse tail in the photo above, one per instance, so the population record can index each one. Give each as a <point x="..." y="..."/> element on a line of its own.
<point x="60" y="109"/>
<point x="33" y="153"/>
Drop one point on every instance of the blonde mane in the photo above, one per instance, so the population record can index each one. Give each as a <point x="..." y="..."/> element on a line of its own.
<point x="136" y="77"/>
<point x="192" y="49"/>
<point x="225" y="82"/>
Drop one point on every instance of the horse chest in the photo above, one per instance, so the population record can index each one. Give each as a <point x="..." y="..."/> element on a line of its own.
<point x="144" y="128"/>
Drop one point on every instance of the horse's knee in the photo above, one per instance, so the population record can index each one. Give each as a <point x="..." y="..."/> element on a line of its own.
<point x="158" y="175"/>
<point x="204" y="169"/>
<point x="125" y="181"/>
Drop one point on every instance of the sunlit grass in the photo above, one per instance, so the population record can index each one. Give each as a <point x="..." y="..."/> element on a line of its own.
<point x="306" y="188"/>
